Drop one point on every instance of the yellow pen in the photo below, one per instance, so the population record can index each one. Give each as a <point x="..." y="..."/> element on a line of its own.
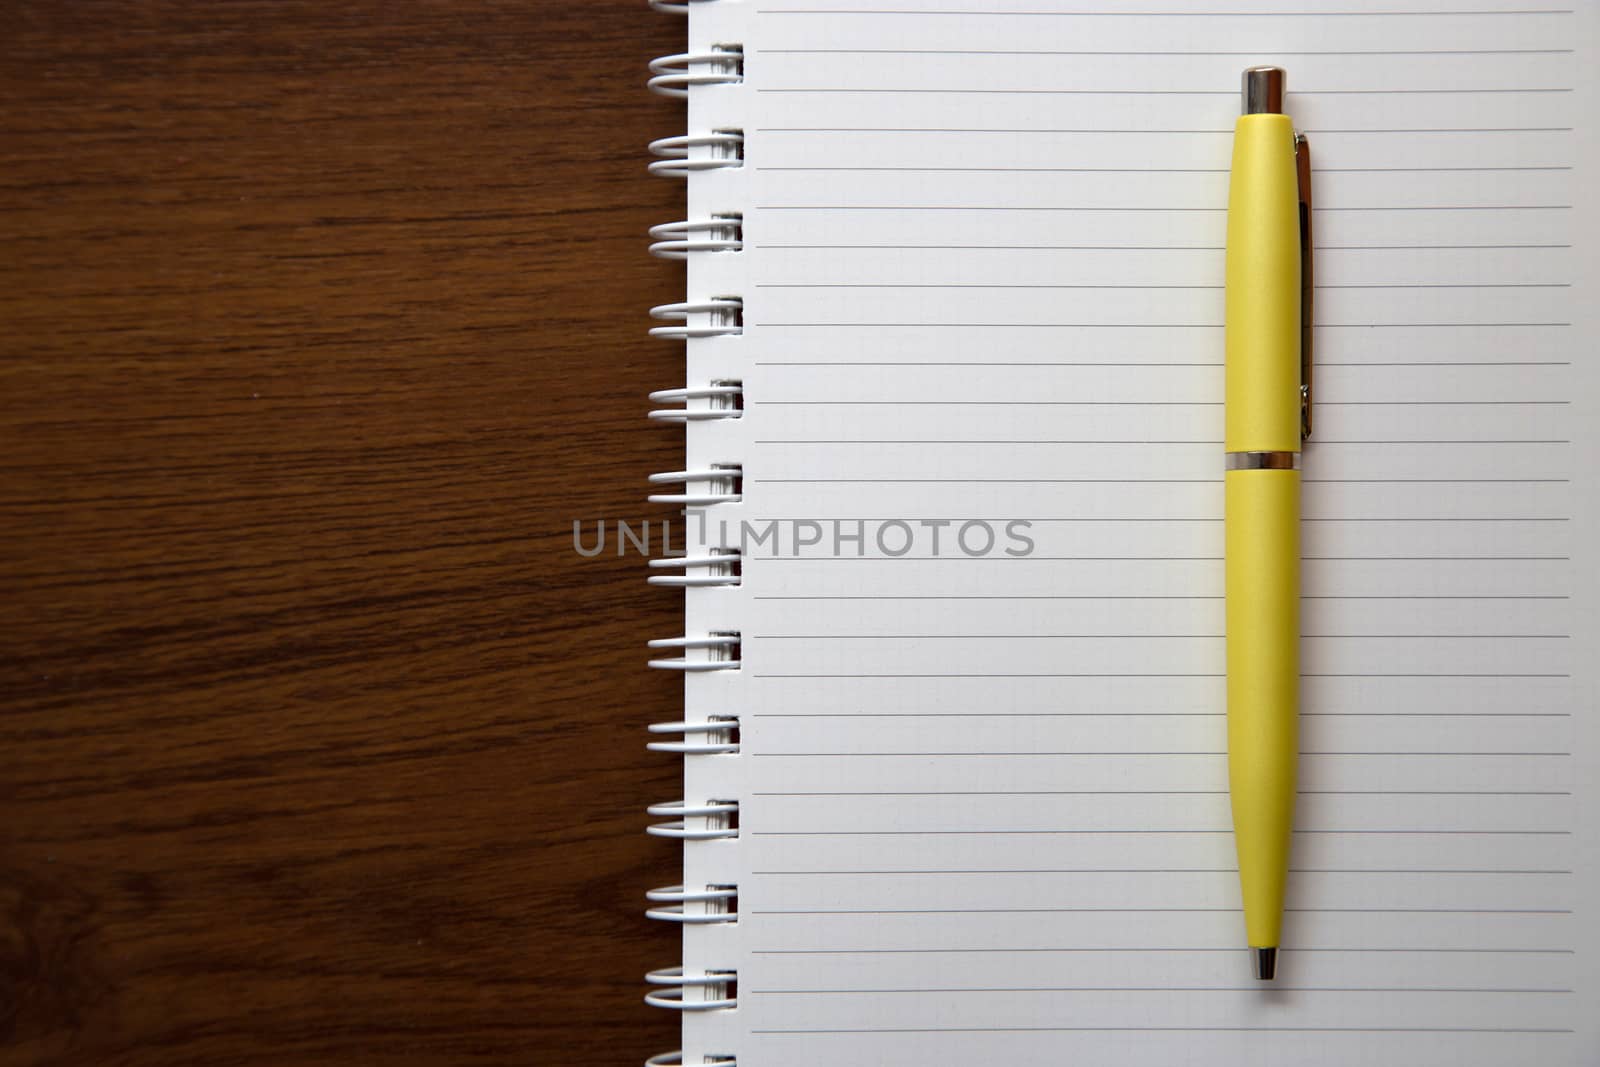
<point x="1268" y="415"/>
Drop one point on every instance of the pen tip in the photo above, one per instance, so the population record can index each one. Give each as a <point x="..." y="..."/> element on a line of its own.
<point x="1266" y="962"/>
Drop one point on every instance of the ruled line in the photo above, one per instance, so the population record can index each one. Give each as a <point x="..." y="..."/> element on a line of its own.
<point x="1155" y="870"/>
<point x="1162" y="948"/>
<point x="1154" y="911"/>
<point x="1135" y="326"/>
<point x="1156" y="989"/>
<point x="1164" y="793"/>
<point x="1320" y="442"/>
<point x="1145" y="170"/>
<point x="1152" y="14"/>
<point x="1141" y="753"/>
<point x="1181" y="674"/>
<point x="1156" y="636"/>
<point x="1182" y="1029"/>
<point x="1126" y="130"/>
<point x="1058" y="52"/>
<point x="1146" y="481"/>
<point x="1161" y="596"/>
<point x="1160" y="559"/>
<point x="1032" y="285"/>
<point x="1149" y="714"/>
<point x="1152" y="248"/>
<point x="1108" y="208"/>
<point x="1321" y="364"/>
<point x="1217" y="518"/>
<point x="892" y="402"/>
<point x="1124" y="91"/>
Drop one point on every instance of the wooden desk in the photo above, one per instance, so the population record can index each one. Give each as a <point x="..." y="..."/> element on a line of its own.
<point x="322" y="322"/>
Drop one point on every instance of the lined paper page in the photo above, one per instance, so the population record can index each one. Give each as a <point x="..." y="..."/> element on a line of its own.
<point x="986" y="817"/>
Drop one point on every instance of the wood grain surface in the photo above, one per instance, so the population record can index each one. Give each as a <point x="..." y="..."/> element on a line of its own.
<point x="321" y="323"/>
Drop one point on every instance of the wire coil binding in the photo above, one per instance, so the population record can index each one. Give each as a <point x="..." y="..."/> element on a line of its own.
<point x="675" y="982"/>
<point x="721" y="569"/>
<point x="673" y="75"/>
<point x="675" y="240"/>
<point x="718" y="737"/>
<point x="676" y="896"/>
<point x="726" y="150"/>
<point x="678" y="76"/>
<point x="724" y="649"/>
<point x="726" y="312"/>
<point x="719" y="816"/>
<point x="675" y="1059"/>
<point x="726" y="482"/>
<point x="725" y="403"/>
<point x="674" y="7"/>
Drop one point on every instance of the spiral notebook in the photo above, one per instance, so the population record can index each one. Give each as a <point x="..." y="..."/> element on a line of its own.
<point x="953" y="739"/>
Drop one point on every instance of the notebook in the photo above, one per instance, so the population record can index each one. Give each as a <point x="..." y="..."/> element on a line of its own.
<point x="953" y="732"/>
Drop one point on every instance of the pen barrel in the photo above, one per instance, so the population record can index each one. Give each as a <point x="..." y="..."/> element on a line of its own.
<point x="1262" y="333"/>
<point x="1263" y="667"/>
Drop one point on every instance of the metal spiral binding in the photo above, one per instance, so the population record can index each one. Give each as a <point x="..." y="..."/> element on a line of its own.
<point x="674" y="7"/>
<point x="721" y="569"/>
<point x="673" y="75"/>
<point x="675" y="240"/>
<point x="725" y="396"/>
<point x="723" y="649"/>
<point x="726" y="318"/>
<point x="699" y="823"/>
<point x="675" y="1059"/>
<point x="675" y="982"/>
<point x="725" y="479"/>
<point x="725" y="149"/>
<point x="720" y="817"/>
<point x="717" y="737"/>
<point x="674" y="897"/>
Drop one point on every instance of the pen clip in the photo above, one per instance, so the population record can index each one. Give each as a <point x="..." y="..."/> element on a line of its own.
<point x="1302" y="169"/>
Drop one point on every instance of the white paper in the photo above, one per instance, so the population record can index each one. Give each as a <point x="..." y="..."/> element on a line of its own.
<point x="984" y="815"/>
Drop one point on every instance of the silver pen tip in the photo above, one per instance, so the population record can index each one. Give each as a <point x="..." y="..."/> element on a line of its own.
<point x="1266" y="962"/>
<point x="1263" y="89"/>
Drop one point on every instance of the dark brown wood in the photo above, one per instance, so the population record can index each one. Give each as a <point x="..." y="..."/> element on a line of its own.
<point x="322" y="323"/>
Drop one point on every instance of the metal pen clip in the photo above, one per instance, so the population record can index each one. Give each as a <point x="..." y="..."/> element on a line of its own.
<point x="1302" y="169"/>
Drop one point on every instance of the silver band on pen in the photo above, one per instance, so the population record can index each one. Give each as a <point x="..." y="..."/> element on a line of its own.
<point x="1263" y="461"/>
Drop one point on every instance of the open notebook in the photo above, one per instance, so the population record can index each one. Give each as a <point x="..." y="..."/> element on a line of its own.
<point x="954" y="735"/>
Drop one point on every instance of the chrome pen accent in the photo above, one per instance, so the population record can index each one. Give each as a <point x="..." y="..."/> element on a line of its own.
<point x="1263" y="91"/>
<point x="1302" y="173"/>
<point x="1262" y="461"/>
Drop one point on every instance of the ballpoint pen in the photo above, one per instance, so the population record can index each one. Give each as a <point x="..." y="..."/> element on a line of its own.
<point x="1268" y="415"/>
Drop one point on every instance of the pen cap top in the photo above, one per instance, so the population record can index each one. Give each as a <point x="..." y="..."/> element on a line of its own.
<point x="1263" y="91"/>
